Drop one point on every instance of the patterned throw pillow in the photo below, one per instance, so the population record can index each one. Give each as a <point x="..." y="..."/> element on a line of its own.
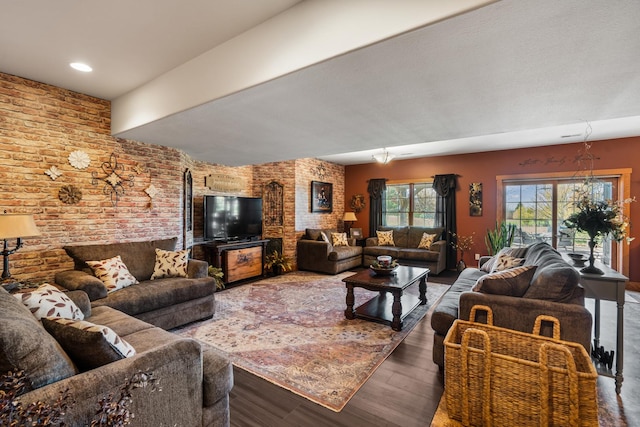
<point x="512" y="282"/>
<point x="426" y="241"/>
<point x="505" y="262"/>
<point x="49" y="301"/>
<point x="113" y="273"/>
<point x="339" y="239"/>
<point x="89" y="345"/>
<point x="385" y="238"/>
<point x="170" y="264"/>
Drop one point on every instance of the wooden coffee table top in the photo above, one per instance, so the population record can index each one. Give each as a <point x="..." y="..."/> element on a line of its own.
<point x="402" y="278"/>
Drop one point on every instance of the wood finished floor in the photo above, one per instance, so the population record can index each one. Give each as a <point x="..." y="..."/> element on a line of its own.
<point x="403" y="391"/>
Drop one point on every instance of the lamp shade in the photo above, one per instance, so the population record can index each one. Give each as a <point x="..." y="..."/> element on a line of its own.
<point x="349" y="216"/>
<point x="17" y="225"/>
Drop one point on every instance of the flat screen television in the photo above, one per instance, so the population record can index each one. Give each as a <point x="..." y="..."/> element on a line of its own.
<point x="229" y="218"/>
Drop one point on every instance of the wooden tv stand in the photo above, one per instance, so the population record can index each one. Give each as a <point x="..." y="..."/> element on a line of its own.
<point x="238" y="260"/>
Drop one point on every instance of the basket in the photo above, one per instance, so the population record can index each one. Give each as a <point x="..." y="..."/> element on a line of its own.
<point x="497" y="376"/>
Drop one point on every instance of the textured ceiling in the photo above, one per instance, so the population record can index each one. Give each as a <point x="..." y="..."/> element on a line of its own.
<point x="511" y="74"/>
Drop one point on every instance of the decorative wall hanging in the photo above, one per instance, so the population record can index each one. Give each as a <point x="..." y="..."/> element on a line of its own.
<point x="224" y="183"/>
<point x="151" y="192"/>
<point x="69" y="194"/>
<point x="138" y="169"/>
<point x="320" y="172"/>
<point x="475" y="199"/>
<point x="79" y="159"/>
<point x="321" y="197"/>
<point x="273" y="197"/>
<point x="188" y="210"/>
<point x="357" y="202"/>
<point x="114" y="180"/>
<point x="53" y="172"/>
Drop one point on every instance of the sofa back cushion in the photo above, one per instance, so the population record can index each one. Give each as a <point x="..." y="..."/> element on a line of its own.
<point x="400" y="235"/>
<point x="314" y="233"/>
<point x="139" y="257"/>
<point x="554" y="279"/>
<point x="25" y="345"/>
<point x="415" y="234"/>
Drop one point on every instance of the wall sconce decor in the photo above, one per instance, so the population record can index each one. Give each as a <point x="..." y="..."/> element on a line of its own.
<point x="475" y="199"/>
<point x="114" y="179"/>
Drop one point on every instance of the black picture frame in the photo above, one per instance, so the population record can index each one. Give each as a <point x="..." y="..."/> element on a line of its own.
<point x="321" y="197"/>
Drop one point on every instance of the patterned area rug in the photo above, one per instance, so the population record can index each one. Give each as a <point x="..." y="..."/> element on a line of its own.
<point x="291" y="331"/>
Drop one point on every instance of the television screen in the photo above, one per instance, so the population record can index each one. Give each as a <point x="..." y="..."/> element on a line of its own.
<point x="232" y="218"/>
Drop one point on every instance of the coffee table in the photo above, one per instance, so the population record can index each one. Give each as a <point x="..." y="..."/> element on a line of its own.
<point x="382" y="309"/>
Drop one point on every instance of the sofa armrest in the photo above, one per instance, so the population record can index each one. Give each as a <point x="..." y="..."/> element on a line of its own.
<point x="440" y="246"/>
<point x="197" y="269"/>
<point x="520" y="313"/>
<point x="177" y="366"/>
<point x="76" y="280"/>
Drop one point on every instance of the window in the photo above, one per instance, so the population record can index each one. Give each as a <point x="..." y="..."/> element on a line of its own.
<point x="537" y="205"/>
<point x="409" y="204"/>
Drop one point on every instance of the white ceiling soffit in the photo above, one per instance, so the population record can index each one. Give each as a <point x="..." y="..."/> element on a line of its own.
<point x="507" y="68"/>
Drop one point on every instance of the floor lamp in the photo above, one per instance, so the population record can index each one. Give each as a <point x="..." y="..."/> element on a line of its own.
<point x="14" y="226"/>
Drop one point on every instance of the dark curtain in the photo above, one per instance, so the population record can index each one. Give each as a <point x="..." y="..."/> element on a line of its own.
<point x="375" y="189"/>
<point x="445" y="187"/>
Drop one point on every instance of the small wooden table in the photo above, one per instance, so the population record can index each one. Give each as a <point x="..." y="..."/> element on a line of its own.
<point x="380" y="308"/>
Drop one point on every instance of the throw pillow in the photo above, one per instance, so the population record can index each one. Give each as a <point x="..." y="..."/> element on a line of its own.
<point x="385" y="238"/>
<point x="89" y="345"/>
<point x="49" y="301"/>
<point x="113" y="273"/>
<point x="339" y="239"/>
<point x="170" y="264"/>
<point x="323" y="237"/>
<point x="505" y="262"/>
<point x="512" y="282"/>
<point x="514" y="252"/>
<point x="426" y="241"/>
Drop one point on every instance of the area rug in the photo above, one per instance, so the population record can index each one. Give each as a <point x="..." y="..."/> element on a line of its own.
<point x="291" y="331"/>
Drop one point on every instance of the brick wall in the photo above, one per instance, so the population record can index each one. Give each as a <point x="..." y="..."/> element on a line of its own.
<point x="40" y="125"/>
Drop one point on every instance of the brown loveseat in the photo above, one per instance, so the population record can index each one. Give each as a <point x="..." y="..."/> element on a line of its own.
<point x="553" y="290"/>
<point x="194" y="378"/>
<point x="315" y="254"/>
<point x="405" y="249"/>
<point x="167" y="303"/>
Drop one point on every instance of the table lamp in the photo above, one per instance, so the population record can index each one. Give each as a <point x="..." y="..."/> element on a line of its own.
<point x="349" y="218"/>
<point x="15" y="226"/>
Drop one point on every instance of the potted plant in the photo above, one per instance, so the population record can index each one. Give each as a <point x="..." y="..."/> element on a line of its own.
<point x="500" y="237"/>
<point x="277" y="263"/>
<point x="217" y="275"/>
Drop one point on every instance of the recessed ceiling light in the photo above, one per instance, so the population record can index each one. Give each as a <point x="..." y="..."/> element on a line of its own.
<point x="81" y="67"/>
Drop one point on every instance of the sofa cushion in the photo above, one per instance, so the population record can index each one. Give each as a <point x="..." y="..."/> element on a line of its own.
<point x="446" y="312"/>
<point x="48" y="301"/>
<point x="170" y="264"/>
<point x="113" y="273"/>
<point x="418" y="254"/>
<point x="139" y="257"/>
<point x="89" y="345"/>
<point x="25" y="345"/>
<point x="385" y="238"/>
<point x="314" y="233"/>
<point x="381" y="250"/>
<point x="156" y="294"/>
<point x="512" y="282"/>
<point x="555" y="279"/>
<point x="344" y="252"/>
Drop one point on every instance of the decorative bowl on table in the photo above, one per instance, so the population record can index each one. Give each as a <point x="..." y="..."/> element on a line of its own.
<point x="384" y="270"/>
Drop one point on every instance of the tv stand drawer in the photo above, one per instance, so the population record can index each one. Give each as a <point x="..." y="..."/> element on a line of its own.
<point x="242" y="263"/>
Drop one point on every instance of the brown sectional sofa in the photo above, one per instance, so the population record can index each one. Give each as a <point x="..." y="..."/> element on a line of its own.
<point x="194" y="378"/>
<point x="314" y="254"/>
<point x="553" y="290"/>
<point x="405" y="249"/>
<point x="167" y="303"/>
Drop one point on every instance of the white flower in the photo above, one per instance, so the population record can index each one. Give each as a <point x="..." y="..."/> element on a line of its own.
<point x="79" y="159"/>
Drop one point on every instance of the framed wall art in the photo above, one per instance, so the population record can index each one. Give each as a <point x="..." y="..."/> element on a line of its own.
<point x="321" y="197"/>
<point x="475" y="199"/>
